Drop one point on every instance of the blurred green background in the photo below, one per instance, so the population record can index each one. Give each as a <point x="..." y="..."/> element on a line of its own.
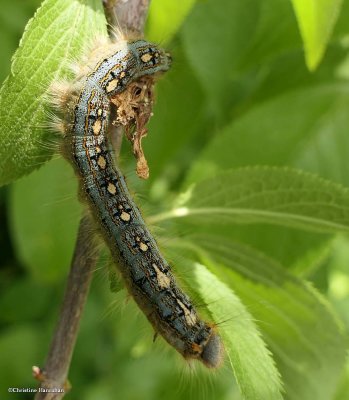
<point x="239" y="94"/>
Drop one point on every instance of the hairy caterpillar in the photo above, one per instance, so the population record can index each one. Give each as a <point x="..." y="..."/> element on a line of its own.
<point x="123" y="77"/>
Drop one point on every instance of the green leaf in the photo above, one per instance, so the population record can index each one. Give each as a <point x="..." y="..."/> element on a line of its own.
<point x="57" y="34"/>
<point x="338" y="276"/>
<point x="165" y="17"/>
<point x="313" y="260"/>
<point x="215" y="38"/>
<point x="279" y="196"/>
<point x="44" y="217"/>
<point x="316" y="19"/>
<point x="343" y="389"/>
<point x="251" y="361"/>
<point x="13" y="17"/>
<point x="297" y="323"/>
<point x="227" y="42"/>
<point x="341" y="27"/>
<point x="304" y="128"/>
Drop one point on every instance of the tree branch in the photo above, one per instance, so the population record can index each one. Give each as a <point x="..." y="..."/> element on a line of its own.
<point x="131" y="18"/>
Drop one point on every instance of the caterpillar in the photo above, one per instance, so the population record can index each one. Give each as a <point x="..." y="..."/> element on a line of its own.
<point x="122" y="79"/>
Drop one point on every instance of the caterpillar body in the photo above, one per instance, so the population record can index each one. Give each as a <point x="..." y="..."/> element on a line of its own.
<point x="124" y="77"/>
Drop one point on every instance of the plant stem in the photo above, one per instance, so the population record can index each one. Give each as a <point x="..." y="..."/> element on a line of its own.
<point x="55" y="373"/>
<point x="131" y="16"/>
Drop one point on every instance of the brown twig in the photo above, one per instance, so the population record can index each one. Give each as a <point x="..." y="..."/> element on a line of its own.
<point x="54" y="375"/>
<point x="129" y="15"/>
<point x="131" y="18"/>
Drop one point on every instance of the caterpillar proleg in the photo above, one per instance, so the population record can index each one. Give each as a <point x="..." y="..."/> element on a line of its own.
<point x="123" y="76"/>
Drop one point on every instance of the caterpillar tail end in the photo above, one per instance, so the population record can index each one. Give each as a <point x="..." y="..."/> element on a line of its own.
<point x="212" y="353"/>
